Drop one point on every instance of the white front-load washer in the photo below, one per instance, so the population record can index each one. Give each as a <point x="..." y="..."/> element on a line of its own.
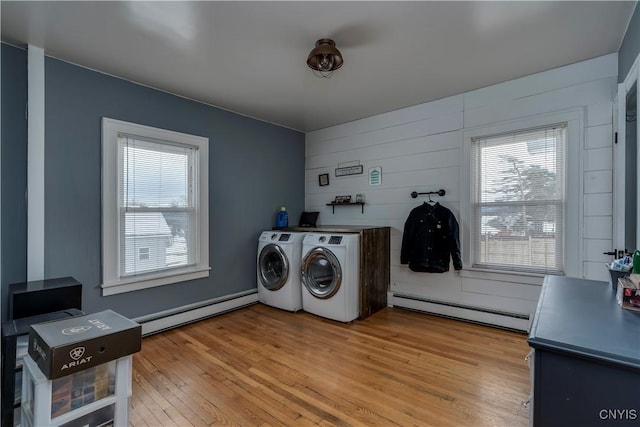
<point x="330" y="275"/>
<point x="279" y="255"/>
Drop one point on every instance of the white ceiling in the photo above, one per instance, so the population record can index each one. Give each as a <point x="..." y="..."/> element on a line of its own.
<point x="249" y="57"/>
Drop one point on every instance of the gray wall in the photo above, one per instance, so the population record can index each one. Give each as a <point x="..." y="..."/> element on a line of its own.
<point x="14" y="173"/>
<point x="630" y="46"/>
<point x="254" y="168"/>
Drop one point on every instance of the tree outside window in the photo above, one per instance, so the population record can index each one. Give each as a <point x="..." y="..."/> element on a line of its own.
<point x="518" y="200"/>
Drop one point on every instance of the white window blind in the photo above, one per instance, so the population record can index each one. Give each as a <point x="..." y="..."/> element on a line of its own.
<point x="518" y="200"/>
<point x="157" y="205"/>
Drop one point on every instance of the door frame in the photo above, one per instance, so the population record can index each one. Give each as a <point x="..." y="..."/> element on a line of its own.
<point x="619" y="149"/>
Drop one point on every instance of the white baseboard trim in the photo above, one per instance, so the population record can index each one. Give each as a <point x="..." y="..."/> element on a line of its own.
<point x="512" y="321"/>
<point x="168" y="319"/>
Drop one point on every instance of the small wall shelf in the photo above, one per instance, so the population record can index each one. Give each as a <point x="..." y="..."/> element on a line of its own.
<point x="333" y="205"/>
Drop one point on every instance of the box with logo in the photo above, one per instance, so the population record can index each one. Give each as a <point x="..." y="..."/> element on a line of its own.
<point x="628" y="294"/>
<point x="66" y="346"/>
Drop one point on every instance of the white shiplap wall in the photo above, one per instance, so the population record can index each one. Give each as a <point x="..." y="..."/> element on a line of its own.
<point x="420" y="148"/>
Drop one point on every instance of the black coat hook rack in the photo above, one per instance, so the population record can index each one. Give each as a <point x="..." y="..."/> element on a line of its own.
<point x="440" y="193"/>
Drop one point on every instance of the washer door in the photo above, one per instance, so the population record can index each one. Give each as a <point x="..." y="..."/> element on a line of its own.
<point x="321" y="273"/>
<point x="273" y="267"/>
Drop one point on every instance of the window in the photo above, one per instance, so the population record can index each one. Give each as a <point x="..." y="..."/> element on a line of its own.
<point x="518" y="200"/>
<point x="143" y="254"/>
<point x="155" y="207"/>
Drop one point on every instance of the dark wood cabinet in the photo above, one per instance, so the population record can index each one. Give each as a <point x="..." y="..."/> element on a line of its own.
<point x="375" y="270"/>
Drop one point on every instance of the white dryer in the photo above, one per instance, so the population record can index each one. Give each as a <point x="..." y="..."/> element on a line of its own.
<point x="279" y="255"/>
<point x="330" y="275"/>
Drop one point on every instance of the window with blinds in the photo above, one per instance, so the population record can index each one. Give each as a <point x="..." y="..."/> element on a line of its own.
<point x="155" y="207"/>
<point x="518" y="200"/>
<point x="158" y="218"/>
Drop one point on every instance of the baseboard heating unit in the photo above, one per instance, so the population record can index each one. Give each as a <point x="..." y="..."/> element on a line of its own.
<point x="511" y="321"/>
<point x="169" y="319"/>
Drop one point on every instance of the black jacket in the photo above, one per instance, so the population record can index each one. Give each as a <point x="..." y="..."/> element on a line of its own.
<point x="430" y="235"/>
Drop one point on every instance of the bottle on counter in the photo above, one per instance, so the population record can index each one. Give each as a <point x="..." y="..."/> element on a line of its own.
<point x="283" y="218"/>
<point x="636" y="262"/>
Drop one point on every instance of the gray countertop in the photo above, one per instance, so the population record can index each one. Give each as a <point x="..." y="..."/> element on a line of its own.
<point x="582" y="317"/>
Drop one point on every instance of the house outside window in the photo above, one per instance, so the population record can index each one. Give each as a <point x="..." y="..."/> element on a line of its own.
<point x="155" y="207"/>
<point x="143" y="254"/>
<point x="518" y="200"/>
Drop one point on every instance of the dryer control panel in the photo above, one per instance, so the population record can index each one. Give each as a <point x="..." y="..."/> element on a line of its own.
<point x="284" y="237"/>
<point x="335" y="240"/>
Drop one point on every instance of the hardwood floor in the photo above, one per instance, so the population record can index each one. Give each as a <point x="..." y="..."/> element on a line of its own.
<point x="261" y="366"/>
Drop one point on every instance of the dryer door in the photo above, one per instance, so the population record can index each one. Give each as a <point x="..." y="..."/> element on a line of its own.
<point x="321" y="273"/>
<point x="273" y="267"/>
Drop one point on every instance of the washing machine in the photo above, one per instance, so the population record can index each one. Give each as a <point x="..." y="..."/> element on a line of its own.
<point x="279" y="256"/>
<point x="330" y="275"/>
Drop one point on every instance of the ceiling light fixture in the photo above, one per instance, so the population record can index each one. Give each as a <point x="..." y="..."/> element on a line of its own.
<point x="325" y="58"/>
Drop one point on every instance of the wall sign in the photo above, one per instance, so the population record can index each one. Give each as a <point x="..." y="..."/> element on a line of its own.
<point x="375" y="175"/>
<point x="323" y="179"/>
<point x="349" y="170"/>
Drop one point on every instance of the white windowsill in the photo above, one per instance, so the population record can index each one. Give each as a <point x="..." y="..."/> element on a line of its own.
<point x="136" y="284"/>
<point x="503" y="276"/>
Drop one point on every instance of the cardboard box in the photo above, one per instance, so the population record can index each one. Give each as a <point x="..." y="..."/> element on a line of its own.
<point x="63" y="347"/>
<point x="628" y="294"/>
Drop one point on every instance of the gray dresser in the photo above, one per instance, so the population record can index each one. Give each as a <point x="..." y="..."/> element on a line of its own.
<point x="586" y="359"/>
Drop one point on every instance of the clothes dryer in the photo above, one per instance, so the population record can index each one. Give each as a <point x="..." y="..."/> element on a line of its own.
<point x="330" y="275"/>
<point x="278" y="260"/>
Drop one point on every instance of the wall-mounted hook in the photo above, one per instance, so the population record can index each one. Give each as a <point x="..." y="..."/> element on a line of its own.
<point x="440" y="193"/>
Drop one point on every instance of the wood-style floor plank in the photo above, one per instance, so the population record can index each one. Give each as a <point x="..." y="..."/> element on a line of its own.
<point x="260" y="366"/>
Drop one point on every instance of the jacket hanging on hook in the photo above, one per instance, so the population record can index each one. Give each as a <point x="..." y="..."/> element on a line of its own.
<point x="431" y="235"/>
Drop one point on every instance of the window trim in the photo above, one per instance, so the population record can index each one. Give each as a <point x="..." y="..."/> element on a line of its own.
<point x="477" y="148"/>
<point x="111" y="282"/>
<point x="574" y="185"/>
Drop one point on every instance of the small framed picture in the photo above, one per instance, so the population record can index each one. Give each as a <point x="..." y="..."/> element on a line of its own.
<point x="342" y="199"/>
<point x="323" y="179"/>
